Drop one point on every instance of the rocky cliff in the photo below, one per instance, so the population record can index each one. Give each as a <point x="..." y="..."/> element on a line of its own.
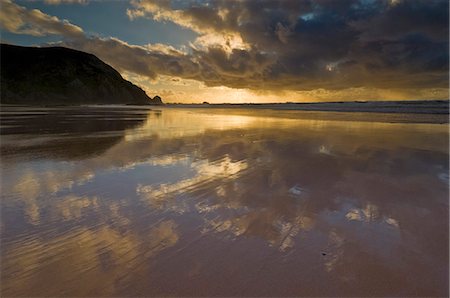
<point x="62" y="76"/>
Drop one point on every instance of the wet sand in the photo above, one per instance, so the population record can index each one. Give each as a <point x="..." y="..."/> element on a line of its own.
<point x="129" y="201"/>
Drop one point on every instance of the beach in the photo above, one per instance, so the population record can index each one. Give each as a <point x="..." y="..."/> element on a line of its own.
<point x="182" y="201"/>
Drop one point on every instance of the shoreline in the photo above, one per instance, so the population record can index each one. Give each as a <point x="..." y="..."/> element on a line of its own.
<point x="395" y="107"/>
<point x="291" y="111"/>
<point x="433" y="107"/>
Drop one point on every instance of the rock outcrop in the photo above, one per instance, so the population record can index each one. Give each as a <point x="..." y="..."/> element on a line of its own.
<point x="157" y="100"/>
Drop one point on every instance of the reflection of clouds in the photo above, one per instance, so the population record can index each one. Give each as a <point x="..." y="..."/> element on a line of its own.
<point x="157" y="195"/>
<point x="224" y="168"/>
<point x="277" y="232"/>
<point x="35" y="182"/>
<point x="168" y="160"/>
<point x="336" y="252"/>
<point x="93" y="257"/>
<point x="273" y="204"/>
<point x="369" y="214"/>
<point x="392" y="222"/>
<point x="162" y="236"/>
<point x="28" y="186"/>
<point x="359" y="230"/>
<point x="324" y="150"/>
<point x="163" y="161"/>
<point x="81" y="254"/>
<point x="71" y="206"/>
<point x="289" y="231"/>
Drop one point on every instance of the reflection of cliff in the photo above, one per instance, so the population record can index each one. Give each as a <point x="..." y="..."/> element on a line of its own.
<point x="68" y="133"/>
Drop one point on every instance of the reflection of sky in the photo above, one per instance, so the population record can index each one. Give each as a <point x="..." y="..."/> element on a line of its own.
<point x="360" y="202"/>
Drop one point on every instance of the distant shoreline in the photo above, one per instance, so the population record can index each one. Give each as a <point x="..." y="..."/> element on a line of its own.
<point x="440" y="107"/>
<point x="409" y="107"/>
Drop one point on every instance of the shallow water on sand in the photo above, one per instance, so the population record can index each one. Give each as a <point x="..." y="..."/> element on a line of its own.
<point x="126" y="201"/>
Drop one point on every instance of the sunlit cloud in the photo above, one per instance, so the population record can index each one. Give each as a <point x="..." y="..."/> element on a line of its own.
<point x="227" y="41"/>
<point x="17" y="19"/>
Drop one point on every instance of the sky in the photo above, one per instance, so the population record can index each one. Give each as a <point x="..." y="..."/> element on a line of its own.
<point x="226" y="51"/>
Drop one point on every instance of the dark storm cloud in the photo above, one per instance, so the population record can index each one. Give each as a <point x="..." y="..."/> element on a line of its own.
<point x="309" y="44"/>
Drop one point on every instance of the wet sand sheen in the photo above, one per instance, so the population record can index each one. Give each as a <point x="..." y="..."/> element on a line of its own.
<point x="127" y="201"/>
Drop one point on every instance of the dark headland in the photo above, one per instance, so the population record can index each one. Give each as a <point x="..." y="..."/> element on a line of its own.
<point x="62" y="76"/>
